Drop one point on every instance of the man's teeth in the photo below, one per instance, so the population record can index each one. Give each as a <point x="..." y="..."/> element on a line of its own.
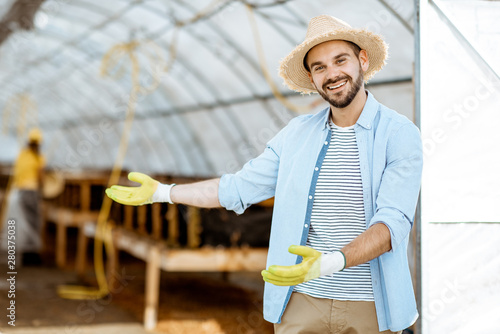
<point x="333" y="87"/>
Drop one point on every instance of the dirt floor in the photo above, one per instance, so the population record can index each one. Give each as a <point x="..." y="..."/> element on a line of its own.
<point x="200" y="302"/>
<point x="189" y="302"/>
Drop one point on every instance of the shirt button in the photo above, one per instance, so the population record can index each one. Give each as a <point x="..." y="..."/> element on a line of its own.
<point x="326" y="143"/>
<point x="316" y="168"/>
<point x="310" y="197"/>
<point x="305" y="225"/>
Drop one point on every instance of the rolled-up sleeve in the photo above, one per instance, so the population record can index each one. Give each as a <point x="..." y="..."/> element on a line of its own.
<point x="256" y="181"/>
<point x="398" y="193"/>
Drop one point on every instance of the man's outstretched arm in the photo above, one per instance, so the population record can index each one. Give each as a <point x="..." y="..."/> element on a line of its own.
<point x="201" y="194"/>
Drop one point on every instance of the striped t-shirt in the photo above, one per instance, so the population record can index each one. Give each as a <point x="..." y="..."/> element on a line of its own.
<point x="337" y="217"/>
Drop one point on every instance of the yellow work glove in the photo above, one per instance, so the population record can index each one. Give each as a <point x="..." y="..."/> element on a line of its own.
<point x="314" y="264"/>
<point x="150" y="191"/>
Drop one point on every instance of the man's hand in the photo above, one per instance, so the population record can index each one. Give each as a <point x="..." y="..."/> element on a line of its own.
<point x="314" y="264"/>
<point x="134" y="195"/>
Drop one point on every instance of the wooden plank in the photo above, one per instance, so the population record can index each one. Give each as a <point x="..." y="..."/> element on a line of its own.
<point x="152" y="289"/>
<point x="203" y="259"/>
<point x="129" y="215"/>
<point x="214" y="259"/>
<point x="133" y="243"/>
<point x="141" y="219"/>
<point x="268" y="203"/>
<point x="75" y="197"/>
<point x="173" y="225"/>
<point x="63" y="217"/>
<point x="81" y="251"/>
<point x="193" y="227"/>
<point x="85" y="196"/>
<point x="156" y="215"/>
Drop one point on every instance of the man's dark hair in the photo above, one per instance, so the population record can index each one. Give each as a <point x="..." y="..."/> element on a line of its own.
<point x="355" y="48"/>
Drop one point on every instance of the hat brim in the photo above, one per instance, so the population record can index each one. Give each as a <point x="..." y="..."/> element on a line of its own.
<point x="296" y="76"/>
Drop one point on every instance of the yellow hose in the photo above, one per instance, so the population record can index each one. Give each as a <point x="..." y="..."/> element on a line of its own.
<point x="103" y="231"/>
<point x="110" y="60"/>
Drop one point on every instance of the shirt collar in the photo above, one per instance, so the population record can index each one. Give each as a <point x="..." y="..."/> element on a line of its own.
<point x="369" y="111"/>
<point x="326" y="118"/>
<point x="365" y="120"/>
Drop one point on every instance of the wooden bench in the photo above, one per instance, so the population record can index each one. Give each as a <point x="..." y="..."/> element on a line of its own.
<point x="65" y="218"/>
<point x="158" y="256"/>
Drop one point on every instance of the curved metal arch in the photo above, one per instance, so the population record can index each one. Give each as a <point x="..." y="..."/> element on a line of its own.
<point x="193" y="135"/>
<point x="295" y="15"/>
<point x="175" y="149"/>
<point x="71" y="123"/>
<point x="235" y="122"/>
<point x="198" y="75"/>
<point x="267" y="18"/>
<point x="56" y="79"/>
<point x="50" y="83"/>
<point x="44" y="33"/>
<point x="226" y="40"/>
<point x="72" y="46"/>
<point x="90" y="100"/>
<point x="288" y="38"/>
<point x="270" y="4"/>
<point x="253" y="64"/>
<point x="249" y="60"/>
<point x="195" y="138"/>
<point x="68" y="123"/>
<point x="65" y="43"/>
<point x="201" y="78"/>
<point x="243" y="54"/>
<point x="182" y="124"/>
<point x="397" y="15"/>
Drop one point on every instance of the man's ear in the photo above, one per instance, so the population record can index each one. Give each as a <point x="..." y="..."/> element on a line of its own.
<point x="311" y="79"/>
<point x="363" y="60"/>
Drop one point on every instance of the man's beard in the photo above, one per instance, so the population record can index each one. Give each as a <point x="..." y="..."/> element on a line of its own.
<point x="343" y="102"/>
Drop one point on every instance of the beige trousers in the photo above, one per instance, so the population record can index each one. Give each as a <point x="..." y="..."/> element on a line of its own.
<point x="306" y="314"/>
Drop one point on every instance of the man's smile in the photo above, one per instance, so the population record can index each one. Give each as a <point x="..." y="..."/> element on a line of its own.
<point x="335" y="86"/>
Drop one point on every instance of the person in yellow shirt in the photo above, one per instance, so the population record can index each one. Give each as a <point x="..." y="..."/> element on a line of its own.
<point x="28" y="182"/>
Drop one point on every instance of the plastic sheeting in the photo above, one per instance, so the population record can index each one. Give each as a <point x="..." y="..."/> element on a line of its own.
<point x="210" y="113"/>
<point x="461" y="95"/>
<point x="461" y="184"/>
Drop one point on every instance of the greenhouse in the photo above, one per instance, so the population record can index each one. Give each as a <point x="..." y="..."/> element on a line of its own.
<point x="199" y="98"/>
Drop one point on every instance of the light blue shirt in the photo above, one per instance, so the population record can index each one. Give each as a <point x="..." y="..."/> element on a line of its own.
<point x="390" y="157"/>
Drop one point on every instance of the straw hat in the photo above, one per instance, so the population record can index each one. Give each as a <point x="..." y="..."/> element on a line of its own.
<point x="325" y="28"/>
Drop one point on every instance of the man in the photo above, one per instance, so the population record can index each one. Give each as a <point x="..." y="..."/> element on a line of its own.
<point x="28" y="184"/>
<point x="346" y="183"/>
